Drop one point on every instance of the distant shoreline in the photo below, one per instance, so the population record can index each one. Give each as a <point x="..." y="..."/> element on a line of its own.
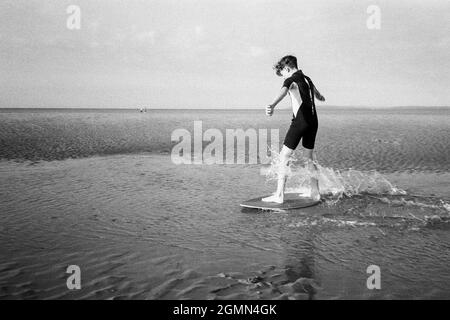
<point x="137" y="109"/>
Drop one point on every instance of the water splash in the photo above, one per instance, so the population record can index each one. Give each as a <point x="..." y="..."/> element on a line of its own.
<point x="332" y="182"/>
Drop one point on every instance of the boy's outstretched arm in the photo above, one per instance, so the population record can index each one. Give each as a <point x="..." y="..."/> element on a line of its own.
<point x="270" y="107"/>
<point x="318" y="95"/>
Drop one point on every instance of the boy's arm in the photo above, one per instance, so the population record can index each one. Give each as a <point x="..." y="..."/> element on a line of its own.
<point x="281" y="95"/>
<point x="318" y="95"/>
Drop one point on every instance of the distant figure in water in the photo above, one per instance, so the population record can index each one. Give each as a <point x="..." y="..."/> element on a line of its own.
<point x="304" y="123"/>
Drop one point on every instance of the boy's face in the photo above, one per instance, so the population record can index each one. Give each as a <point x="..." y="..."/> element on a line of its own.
<point x="286" y="72"/>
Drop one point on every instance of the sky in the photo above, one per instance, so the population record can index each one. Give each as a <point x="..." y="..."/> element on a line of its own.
<point x="220" y="53"/>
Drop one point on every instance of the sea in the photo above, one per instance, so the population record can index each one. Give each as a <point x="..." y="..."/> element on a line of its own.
<point x="100" y="189"/>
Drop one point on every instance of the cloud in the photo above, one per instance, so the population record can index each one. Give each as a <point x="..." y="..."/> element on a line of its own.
<point x="187" y="38"/>
<point x="256" y="51"/>
<point x="199" y="32"/>
<point x="145" y="37"/>
<point x="444" y="42"/>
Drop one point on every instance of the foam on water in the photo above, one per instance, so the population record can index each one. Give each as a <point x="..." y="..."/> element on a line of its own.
<point x="332" y="182"/>
<point x="335" y="184"/>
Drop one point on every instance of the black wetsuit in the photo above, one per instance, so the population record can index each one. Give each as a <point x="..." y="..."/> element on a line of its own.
<point x="304" y="125"/>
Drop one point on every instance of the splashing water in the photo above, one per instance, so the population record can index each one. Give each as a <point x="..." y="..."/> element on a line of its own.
<point x="334" y="183"/>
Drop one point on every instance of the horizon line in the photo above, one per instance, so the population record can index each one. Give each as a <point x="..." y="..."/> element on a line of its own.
<point x="224" y="108"/>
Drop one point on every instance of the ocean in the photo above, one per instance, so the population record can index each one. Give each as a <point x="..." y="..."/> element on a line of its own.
<point x="99" y="189"/>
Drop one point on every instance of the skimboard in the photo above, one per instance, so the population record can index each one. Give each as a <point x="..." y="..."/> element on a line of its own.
<point x="291" y="201"/>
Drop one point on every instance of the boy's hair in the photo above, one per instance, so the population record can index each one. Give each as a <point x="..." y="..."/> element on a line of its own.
<point x="286" y="61"/>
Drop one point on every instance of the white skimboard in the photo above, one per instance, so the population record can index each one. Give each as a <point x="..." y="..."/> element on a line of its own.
<point x="291" y="201"/>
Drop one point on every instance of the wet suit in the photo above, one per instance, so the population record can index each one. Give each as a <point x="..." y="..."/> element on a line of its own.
<point x="304" y="124"/>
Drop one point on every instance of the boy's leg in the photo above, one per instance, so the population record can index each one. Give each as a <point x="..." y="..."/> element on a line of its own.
<point x="278" y="196"/>
<point x="315" y="194"/>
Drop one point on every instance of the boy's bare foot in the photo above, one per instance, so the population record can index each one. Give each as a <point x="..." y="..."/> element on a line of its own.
<point x="315" y="195"/>
<point x="274" y="198"/>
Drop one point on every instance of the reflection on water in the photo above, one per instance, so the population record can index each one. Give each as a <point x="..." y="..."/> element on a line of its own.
<point x="300" y="264"/>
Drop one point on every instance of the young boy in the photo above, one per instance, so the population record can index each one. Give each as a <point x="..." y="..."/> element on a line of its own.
<point x="304" y="122"/>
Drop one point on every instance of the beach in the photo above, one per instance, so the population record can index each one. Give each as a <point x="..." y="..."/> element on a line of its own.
<point x="98" y="189"/>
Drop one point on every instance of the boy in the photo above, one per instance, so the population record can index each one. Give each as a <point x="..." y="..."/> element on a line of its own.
<point x="304" y="122"/>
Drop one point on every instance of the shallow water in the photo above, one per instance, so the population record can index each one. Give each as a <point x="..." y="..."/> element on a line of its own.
<point x="386" y="140"/>
<point x="140" y="226"/>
